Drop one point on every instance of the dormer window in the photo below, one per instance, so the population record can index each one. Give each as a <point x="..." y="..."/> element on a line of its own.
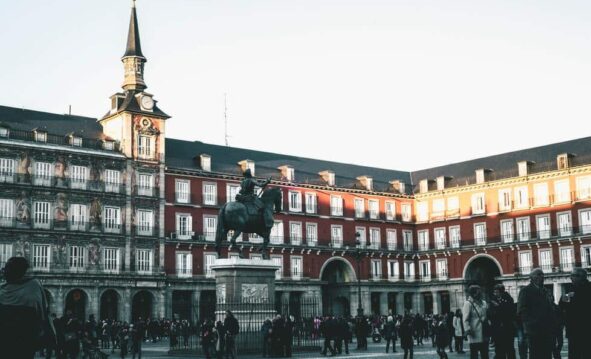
<point x="287" y="173"/>
<point x="424" y="186"/>
<point x="397" y="186"/>
<point x="523" y="168"/>
<point x="440" y="183"/>
<point x="40" y="136"/>
<point x="366" y="182"/>
<point x="116" y="101"/>
<point x="247" y="164"/>
<point x="76" y="141"/>
<point x="4" y="132"/>
<point x="563" y="161"/>
<point x="108" y="145"/>
<point x="205" y="162"/>
<point x="328" y="177"/>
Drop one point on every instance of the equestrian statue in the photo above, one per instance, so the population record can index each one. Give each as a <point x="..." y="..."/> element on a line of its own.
<point x="249" y="213"/>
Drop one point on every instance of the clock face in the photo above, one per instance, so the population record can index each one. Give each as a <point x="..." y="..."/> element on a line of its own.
<point x="147" y="102"/>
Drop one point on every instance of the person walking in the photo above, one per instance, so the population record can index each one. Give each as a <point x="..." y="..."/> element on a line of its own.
<point x="503" y="315"/>
<point x="232" y="329"/>
<point x="576" y="305"/>
<point x="475" y="320"/>
<point x="441" y="332"/>
<point x="266" y="331"/>
<point x="390" y="334"/>
<point x="327" y="329"/>
<point x="458" y="330"/>
<point x="406" y="332"/>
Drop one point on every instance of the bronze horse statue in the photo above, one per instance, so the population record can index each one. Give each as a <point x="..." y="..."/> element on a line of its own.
<point x="236" y="216"/>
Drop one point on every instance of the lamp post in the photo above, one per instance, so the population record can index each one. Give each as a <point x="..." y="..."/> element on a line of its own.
<point x="358" y="256"/>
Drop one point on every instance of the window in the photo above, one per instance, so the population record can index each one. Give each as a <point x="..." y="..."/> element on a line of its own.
<point x="478" y="206"/>
<point x="112" y="181"/>
<point x="209" y="193"/>
<point x="375" y="238"/>
<point x="4" y="132"/>
<point x="182" y="191"/>
<point x="541" y="194"/>
<point x="41" y="257"/>
<point x="564" y="224"/>
<point x="184" y="264"/>
<point x="206" y="163"/>
<point x="184" y="226"/>
<point x="525" y="262"/>
<point x="376" y="269"/>
<point x="586" y="256"/>
<point x="108" y="145"/>
<point x="145" y="219"/>
<point x="362" y="236"/>
<point x="209" y="261"/>
<point x="438" y="208"/>
<point x="374" y="209"/>
<point x="295" y="201"/>
<point x="523" y="230"/>
<point x="6" y="170"/>
<point x="567" y="259"/>
<point x="480" y="234"/>
<point x="295" y="233"/>
<point x="422" y="211"/>
<point x="406" y="211"/>
<point x="311" y="202"/>
<point x="583" y="187"/>
<point x="423" y="238"/>
<point x="278" y="260"/>
<point x="78" y="217"/>
<point x="454" y="236"/>
<point x="40" y="136"/>
<point x="543" y="224"/>
<point x="505" y="199"/>
<point x="441" y="268"/>
<point x="145" y="148"/>
<point x="77" y="258"/>
<point x="521" y="197"/>
<point x="336" y="236"/>
<point x="453" y="206"/>
<point x="6" y="212"/>
<point x="562" y="191"/>
<point x="231" y="192"/>
<point x="390" y="211"/>
<point x="143" y="261"/>
<point x="407" y="240"/>
<point x="336" y="206"/>
<point x="507" y="230"/>
<point x="41" y="217"/>
<point x="145" y="184"/>
<point x="76" y="141"/>
<point x="391" y="239"/>
<point x="312" y="234"/>
<point x="111" y="260"/>
<point x="78" y="177"/>
<point x="425" y="270"/>
<point x="393" y="270"/>
<point x="43" y="174"/>
<point x="209" y="227"/>
<point x="112" y="219"/>
<point x="585" y="221"/>
<point x="296" y="267"/>
<point x="423" y="186"/>
<point x="545" y="260"/>
<point x="5" y="253"/>
<point x="277" y="233"/>
<point x="409" y="271"/>
<point x="440" y="238"/>
<point x="359" y="208"/>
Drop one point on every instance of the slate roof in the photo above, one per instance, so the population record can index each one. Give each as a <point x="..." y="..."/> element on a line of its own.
<point x="180" y="154"/>
<point x="133" y="48"/>
<point x="131" y="104"/>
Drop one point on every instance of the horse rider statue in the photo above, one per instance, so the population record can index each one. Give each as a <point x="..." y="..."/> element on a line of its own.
<point x="249" y="198"/>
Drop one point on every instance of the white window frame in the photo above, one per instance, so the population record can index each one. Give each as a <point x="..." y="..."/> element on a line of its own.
<point x="376" y="269"/>
<point x="311" y="234"/>
<point x="505" y="200"/>
<point x="145" y="185"/>
<point x="586" y="256"/>
<point x="480" y="240"/>
<point x="112" y="219"/>
<point x="111" y="260"/>
<point x="455" y="240"/>
<point x="77" y="258"/>
<point x="5" y="253"/>
<point x="295" y="201"/>
<point x="210" y="193"/>
<point x="478" y="203"/>
<point x="407" y="240"/>
<point x="507" y="231"/>
<point x="232" y="189"/>
<point x="546" y="267"/>
<point x="541" y="194"/>
<point x="145" y="147"/>
<point x="521" y="197"/>
<point x="423" y="239"/>
<point x="562" y="194"/>
<point x="277" y="233"/>
<point x="112" y="180"/>
<point x="43" y="174"/>
<point x="78" y="176"/>
<point x="425" y="275"/>
<point x="7" y="166"/>
<point x="295" y="233"/>
<point x="583" y="187"/>
<point x="547" y="231"/>
<point x="453" y="207"/>
<point x="406" y="212"/>
<point x="390" y="211"/>
<point x="441" y="269"/>
<point x="40" y="136"/>
<point x="359" y="204"/>
<point x="440" y="238"/>
<point x="41" y="257"/>
<point x="183" y="226"/>
<point x="336" y="236"/>
<point x="523" y="228"/>
<point x="336" y="205"/>
<point x="585" y="220"/>
<point x="6" y="212"/>
<point x="409" y="271"/>
<point x="393" y="270"/>
<point x="311" y="202"/>
<point x="278" y="260"/>
<point x="362" y="237"/>
<point x="297" y="267"/>
<point x="182" y="190"/>
<point x="438" y="207"/>
<point x="391" y="239"/>
<point x="525" y="268"/>
<point x="422" y="211"/>
<point x="209" y="259"/>
<point x="564" y="231"/>
<point x="375" y="238"/>
<point x="42" y="214"/>
<point x="143" y="265"/>
<point x="145" y="222"/>
<point x="78" y="216"/>
<point x="209" y="227"/>
<point x="565" y="265"/>
<point x="184" y="264"/>
<point x="374" y="208"/>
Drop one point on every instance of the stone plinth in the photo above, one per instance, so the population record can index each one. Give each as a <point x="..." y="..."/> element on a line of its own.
<point x="244" y="280"/>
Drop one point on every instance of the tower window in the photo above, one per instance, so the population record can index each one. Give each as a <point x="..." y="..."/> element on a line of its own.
<point x="145" y="146"/>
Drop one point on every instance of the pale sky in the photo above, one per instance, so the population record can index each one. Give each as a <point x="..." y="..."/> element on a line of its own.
<point x="394" y="84"/>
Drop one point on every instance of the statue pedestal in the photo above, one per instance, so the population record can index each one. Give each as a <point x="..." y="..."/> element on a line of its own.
<point x="246" y="287"/>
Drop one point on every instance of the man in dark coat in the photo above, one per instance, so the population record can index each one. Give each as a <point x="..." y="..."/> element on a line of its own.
<point x="577" y="305"/>
<point x="232" y="328"/>
<point x="327" y="330"/>
<point x="535" y="307"/>
<point x="502" y="314"/>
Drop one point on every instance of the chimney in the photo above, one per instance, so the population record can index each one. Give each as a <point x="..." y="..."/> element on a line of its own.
<point x="328" y="177"/>
<point x="366" y="182"/>
<point x="424" y="186"/>
<point x="244" y="164"/>
<point x="287" y="173"/>
<point x="398" y="186"/>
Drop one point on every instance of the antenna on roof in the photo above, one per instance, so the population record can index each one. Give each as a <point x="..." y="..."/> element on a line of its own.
<point x="226" y="119"/>
<point x="70" y="110"/>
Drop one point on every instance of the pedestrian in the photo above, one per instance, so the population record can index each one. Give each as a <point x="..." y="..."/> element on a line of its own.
<point x="327" y="331"/>
<point x="266" y="330"/>
<point x="441" y="332"/>
<point x="287" y="336"/>
<point x="24" y="321"/>
<point x="535" y="307"/>
<point x="220" y="337"/>
<point x="406" y="332"/>
<point x="123" y="341"/>
<point x="576" y="305"/>
<point x="503" y="320"/>
<point x="390" y="334"/>
<point x="206" y="338"/>
<point x="136" y="336"/>
<point x="458" y="329"/>
<point x="232" y="329"/>
<point x="72" y="335"/>
<point x="476" y="322"/>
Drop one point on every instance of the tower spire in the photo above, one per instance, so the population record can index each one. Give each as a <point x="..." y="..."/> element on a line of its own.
<point x="133" y="59"/>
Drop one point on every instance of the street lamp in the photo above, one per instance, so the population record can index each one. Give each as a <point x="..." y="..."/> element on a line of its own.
<point x="358" y="256"/>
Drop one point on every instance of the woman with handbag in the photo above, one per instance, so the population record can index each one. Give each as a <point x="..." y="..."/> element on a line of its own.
<point x="476" y="323"/>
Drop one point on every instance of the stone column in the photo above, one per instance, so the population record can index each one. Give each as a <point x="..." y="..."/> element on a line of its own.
<point x="168" y="300"/>
<point x="366" y="301"/>
<point x="94" y="303"/>
<point x="400" y="303"/>
<point x="125" y="306"/>
<point x="163" y="304"/>
<point x="556" y="291"/>
<point x="418" y="303"/>
<point x="435" y="295"/>
<point x="194" y="302"/>
<point x="384" y="303"/>
<point x="59" y="302"/>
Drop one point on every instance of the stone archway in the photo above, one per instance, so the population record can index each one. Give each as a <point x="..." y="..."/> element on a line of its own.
<point x="336" y="275"/>
<point x="77" y="303"/>
<point x="109" y="308"/>
<point x="484" y="271"/>
<point x="142" y="305"/>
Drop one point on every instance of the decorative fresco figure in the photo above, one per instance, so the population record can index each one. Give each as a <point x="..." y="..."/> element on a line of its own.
<point x="60" y="252"/>
<point x="59" y="172"/>
<point x="23" y="209"/>
<point x="24" y="175"/>
<point x="60" y="212"/>
<point x="95" y="177"/>
<point x="96" y="211"/>
<point x="93" y="252"/>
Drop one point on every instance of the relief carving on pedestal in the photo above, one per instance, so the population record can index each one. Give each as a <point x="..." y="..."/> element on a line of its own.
<point x="255" y="292"/>
<point x="220" y="292"/>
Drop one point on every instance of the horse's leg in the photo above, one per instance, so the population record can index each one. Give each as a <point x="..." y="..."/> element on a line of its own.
<point x="218" y="242"/>
<point x="236" y="234"/>
<point x="266" y="243"/>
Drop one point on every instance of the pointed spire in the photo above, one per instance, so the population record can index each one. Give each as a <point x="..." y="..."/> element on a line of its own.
<point x="134" y="47"/>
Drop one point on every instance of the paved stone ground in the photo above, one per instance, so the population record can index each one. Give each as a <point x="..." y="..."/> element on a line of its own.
<point x="160" y="351"/>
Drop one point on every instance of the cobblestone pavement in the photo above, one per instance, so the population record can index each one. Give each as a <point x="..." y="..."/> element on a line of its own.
<point x="160" y="351"/>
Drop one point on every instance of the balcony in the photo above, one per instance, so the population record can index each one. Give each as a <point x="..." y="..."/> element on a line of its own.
<point x="144" y="230"/>
<point x="375" y="215"/>
<point x="567" y="266"/>
<point x="438" y="216"/>
<point x="7" y="221"/>
<point x="439" y="244"/>
<point x="7" y="177"/>
<point x="393" y="278"/>
<point x="45" y="181"/>
<point x="478" y="211"/>
<point x="425" y="277"/>
<point x="336" y="243"/>
<point x="443" y="275"/>
<point x="145" y="191"/>
<point x="525" y="270"/>
<point x="112" y="227"/>
<point x="547" y="268"/>
<point x="60" y="140"/>
<point x="336" y="211"/>
<point x="184" y="272"/>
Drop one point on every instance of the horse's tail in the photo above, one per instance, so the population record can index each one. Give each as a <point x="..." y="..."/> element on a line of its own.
<point x="219" y="231"/>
